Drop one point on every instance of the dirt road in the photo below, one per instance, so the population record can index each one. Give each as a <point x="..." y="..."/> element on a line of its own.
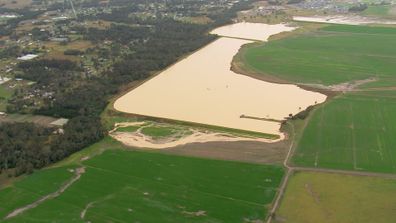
<point x="78" y="172"/>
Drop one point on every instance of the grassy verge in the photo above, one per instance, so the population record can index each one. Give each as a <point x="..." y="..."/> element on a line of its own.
<point x="158" y="132"/>
<point x="128" y="129"/>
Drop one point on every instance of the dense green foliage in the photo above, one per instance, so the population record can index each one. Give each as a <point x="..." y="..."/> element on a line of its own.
<point x="9" y="26"/>
<point x="359" y="7"/>
<point x="10" y="51"/>
<point x="130" y="49"/>
<point x="145" y="187"/>
<point x="345" y="54"/>
<point x="355" y="131"/>
<point x="25" y="146"/>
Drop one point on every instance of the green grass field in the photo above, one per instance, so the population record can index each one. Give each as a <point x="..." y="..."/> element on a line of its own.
<point x="331" y="55"/>
<point x="354" y="132"/>
<point x="329" y="198"/>
<point x="158" y="131"/>
<point x="128" y="129"/>
<point x="131" y="186"/>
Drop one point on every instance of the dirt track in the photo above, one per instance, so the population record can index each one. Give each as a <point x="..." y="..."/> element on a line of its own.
<point x="18" y="211"/>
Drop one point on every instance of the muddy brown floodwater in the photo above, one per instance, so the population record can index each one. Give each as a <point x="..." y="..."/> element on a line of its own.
<point x="201" y="88"/>
<point x="344" y="19"/>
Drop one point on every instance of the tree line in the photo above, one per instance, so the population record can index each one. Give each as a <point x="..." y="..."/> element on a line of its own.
<point x="63" y="89"/>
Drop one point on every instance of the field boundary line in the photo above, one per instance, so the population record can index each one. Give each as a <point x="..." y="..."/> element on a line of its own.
<point x="346" y="172"/>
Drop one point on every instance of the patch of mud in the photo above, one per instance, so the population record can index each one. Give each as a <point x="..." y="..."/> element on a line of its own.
<point x="247" y="220"/>
<point x="91" y="204"/>
<point x="245" y="151"/>
<point x="82" y="214"/>
<point x="196" y="213"/>
<point x="137" y="139"/>
<point x="344" y="87"/>
<point x="199" y="143"/>
<point x="314" y="195"/>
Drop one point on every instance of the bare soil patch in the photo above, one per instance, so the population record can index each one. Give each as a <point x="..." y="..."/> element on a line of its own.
<point x="15" y="4"/>
<point x="246" y="151"/>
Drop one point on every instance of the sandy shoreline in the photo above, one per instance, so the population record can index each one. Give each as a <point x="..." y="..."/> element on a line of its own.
<point x="136" y="138"/>
<point x="142" y="141"/>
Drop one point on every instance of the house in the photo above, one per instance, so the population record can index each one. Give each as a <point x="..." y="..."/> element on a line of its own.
<point x="27" y="57"/>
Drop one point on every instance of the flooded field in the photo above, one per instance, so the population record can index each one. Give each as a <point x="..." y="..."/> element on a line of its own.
<point x="202" y="89"/>
<point x="342" y="19"/>
<point x="252" y="31"/>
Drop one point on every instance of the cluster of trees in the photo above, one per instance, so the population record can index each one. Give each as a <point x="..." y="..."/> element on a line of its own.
<point x="294" y="1"/>
<point x="73" y="52"/>
<point x="41" y="35"/>
<point x="147" y="46"/>
<point x="7" y="28"/>
<point x="10" y="52"/>
<point x="122" y="34"/>
<point x="358" y="7"/>
<point x="26" y="146"/>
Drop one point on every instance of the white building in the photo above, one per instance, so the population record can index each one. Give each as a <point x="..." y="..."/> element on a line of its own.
<point x="27" y="57"/>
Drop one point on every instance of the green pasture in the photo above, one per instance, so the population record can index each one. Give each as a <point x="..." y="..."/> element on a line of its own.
<point x="328" y="198"/>
<point x="354" y="131"/>
<point x="31" y="188"/>
<point x="331" y="55"/>
<point x="131" y="186"/>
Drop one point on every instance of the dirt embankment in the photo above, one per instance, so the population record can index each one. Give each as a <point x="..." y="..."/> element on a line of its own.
<point x="142" y="141"/>
<point x="200" y="143"/>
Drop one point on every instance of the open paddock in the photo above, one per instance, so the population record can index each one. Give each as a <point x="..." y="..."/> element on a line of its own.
<point x="330" y="55"/>
<point x="313" y="197"/>
<point x="354" y="131"/>
<point x="145" y="187"/>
